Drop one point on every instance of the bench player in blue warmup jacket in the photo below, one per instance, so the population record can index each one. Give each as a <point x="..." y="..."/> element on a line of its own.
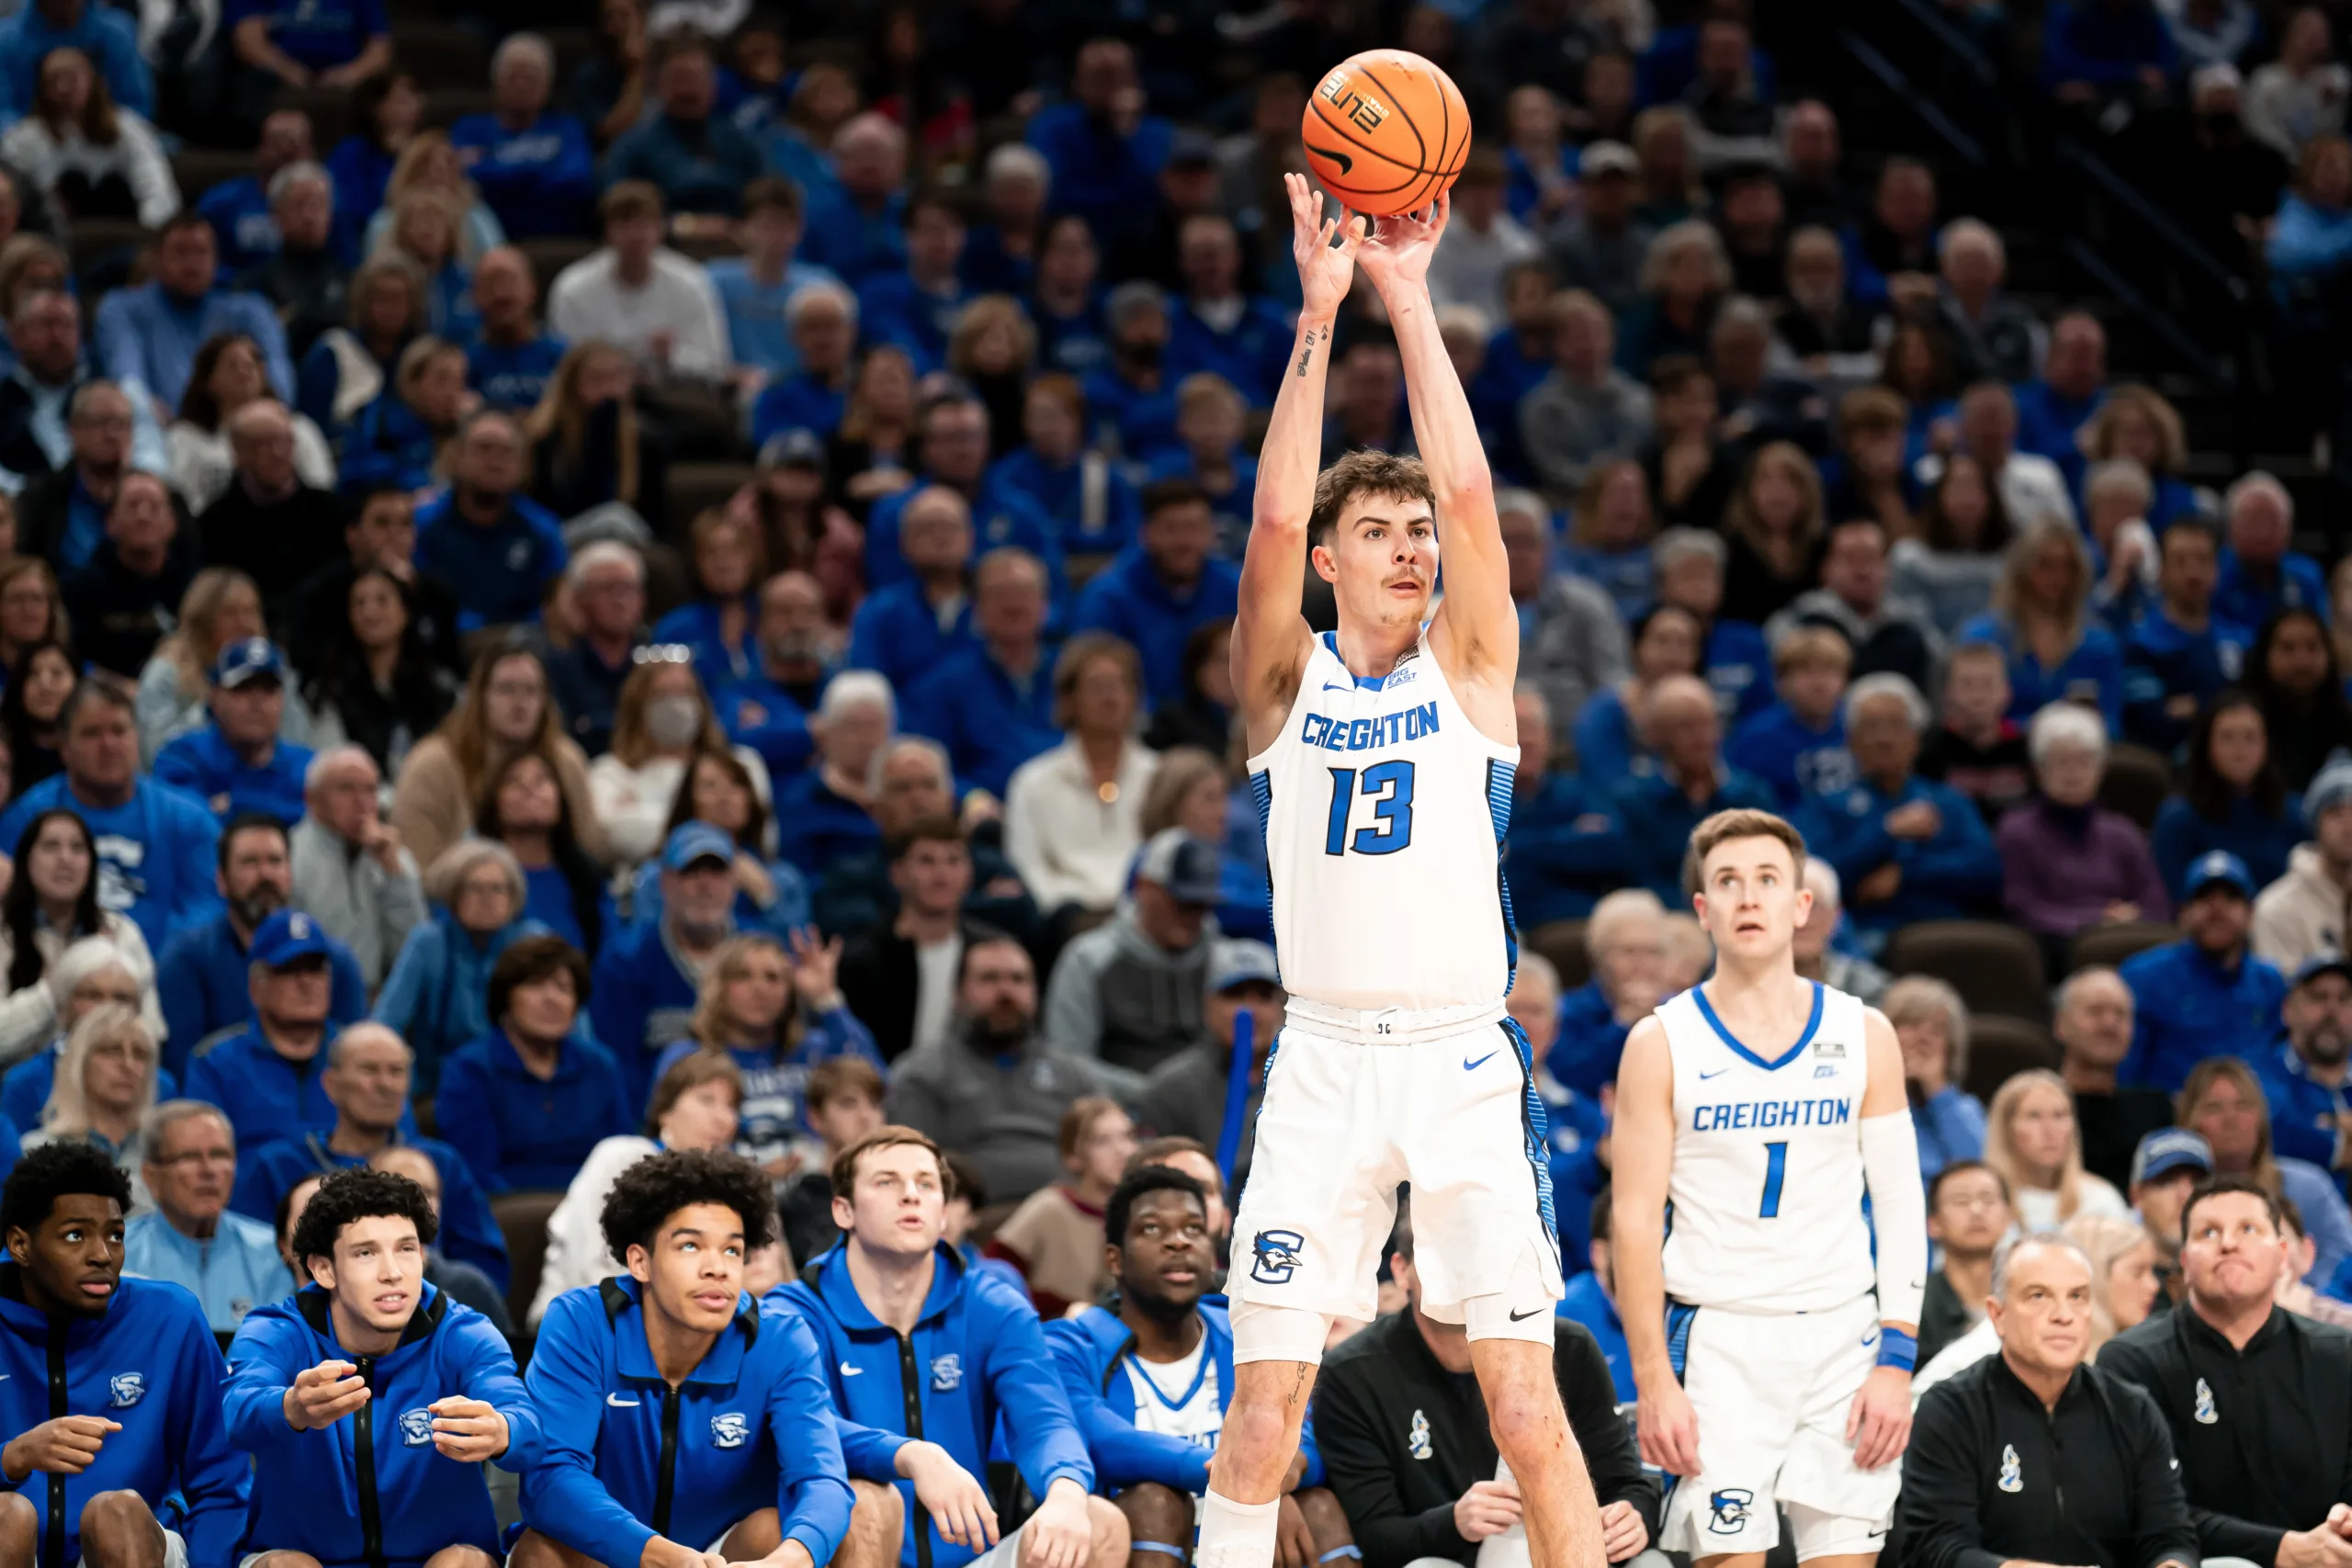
<point x="370" y="1400"/>
<point x="686" y="1428"/>
<point x="1149" y="1374"/>
<point x="110" y="1388"/>
<point x="930" y="1361"/>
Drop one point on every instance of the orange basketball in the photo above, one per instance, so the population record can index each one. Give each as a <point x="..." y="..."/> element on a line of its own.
<point x="1385" y="131"/>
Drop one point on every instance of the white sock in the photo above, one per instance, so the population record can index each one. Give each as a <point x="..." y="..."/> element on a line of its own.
<point x="1235" y="1535"/>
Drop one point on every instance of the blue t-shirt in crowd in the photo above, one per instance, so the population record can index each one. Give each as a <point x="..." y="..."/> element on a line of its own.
<point x="538" y="180"/>
<point x="512" y="376"/>
<point x="756" y="333"/>
<point x="1129" y="600"/>
<point x="156" y="852"/>
<point x="1795" y="758"/>
<point x="519" y="1131"/>
<point x="242" y="229"/>
<point x="203" y="764"/>
<point x="500" y="574"/>
<point x="320" y="34"/>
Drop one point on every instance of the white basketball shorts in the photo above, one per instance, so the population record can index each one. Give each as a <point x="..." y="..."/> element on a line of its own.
<point x="1772" y="1391"/>
<point x="1342" y="1124"/>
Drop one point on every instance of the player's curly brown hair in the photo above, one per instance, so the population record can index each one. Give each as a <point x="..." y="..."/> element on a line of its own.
<point x="1364" y="473"/>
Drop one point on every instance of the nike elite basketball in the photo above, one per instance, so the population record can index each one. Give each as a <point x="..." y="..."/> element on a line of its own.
<point x="1385" y="131"/>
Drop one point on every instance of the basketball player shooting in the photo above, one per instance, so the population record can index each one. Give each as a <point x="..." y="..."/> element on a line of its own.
<point x="1772" y="1350"/>
<point x="1382" y="758"/>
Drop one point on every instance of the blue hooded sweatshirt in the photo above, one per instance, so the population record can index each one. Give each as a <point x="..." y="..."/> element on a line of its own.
<point x="370" y="1490"/>
<point x="1088" y="1351"/>
<point x="517" y="1129"/>
<point x="629" y="1458"/>
<point x="1796" y="760"/>
<point x="1128" y="600"/>
<point x="499" y="573"/>
<point x="978" y="1357"/>
<point x="437" y="995"/>
<point x="2187" y="1007"/>
<point x="643" y="1001"/>
<point x="470" y="1231"/>
<point x="264" y="1096"/>
<point x="2163" y="660"/>
<point x="203" y="764"/>
<point x="150" y="1363"/>
<point x="898" y="633"/>
<point x="202" y="980"/>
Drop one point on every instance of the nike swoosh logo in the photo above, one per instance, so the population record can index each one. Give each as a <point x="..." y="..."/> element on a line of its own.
<point x="1871" y="1338"/>
<point x="1530" y="1312"/>
<point x="1341" y="159"/>
<point x="1333" y="687"/>
<point x="849" y="1371"/>
<point x="1470" y="1067"/>
<point x="617" y="1403"/>
<point x="1717" y="1074"/>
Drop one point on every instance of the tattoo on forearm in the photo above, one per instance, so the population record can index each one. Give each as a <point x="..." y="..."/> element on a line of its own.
<point x="1307" y="349"/>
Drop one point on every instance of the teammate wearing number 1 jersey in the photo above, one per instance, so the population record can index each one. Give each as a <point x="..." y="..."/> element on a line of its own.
<point x="1381" y="757"/>
<point x="1770" y="1318"/>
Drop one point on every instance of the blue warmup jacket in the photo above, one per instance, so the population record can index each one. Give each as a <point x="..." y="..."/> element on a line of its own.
<point x="202" y="980"/>
<point x="499" y="573"/>
<point x="156" y="852"/>
<point x="2187" y="1007"/>
<point x="2302" y="1109"/>
<point x="203" y="763"/>
<point x="898" y="633"/>
<point x="774" y="1114"/>
<point x="1136" y="422"/>
<point x="1088" y="1351"/>
<point x="696" y="624"/>
<point x="2093" y="672"/>
<point x="264" y="1096"/>
<point x="1952" y="877"/>
<point x="539" y="180"/>
<point x="2162" y="660"/>
<point x="1659" y="818"/>
<point x="628" y="1457"/>
<point x="24" y="1088"/>
<point x="989" y="722"/>
<point x="643" y="1001"/>
<point x="2247" y="598"/>
<point x="1128" y="600"/>
<point x="976" y="1358"/>
<point x="2262" y="841"/>
<point x="1560" y="855"/>
<point x="150" y="1363"/>
<point x="758" y="713"/>
<point x="1797" y="760"/>
<point x="1060" y="494"/>
<point x="469" y="1231"/>
<point x="371" y="1491"/>
<point x="514" y="376"/>
<point x="518" y="1131"/>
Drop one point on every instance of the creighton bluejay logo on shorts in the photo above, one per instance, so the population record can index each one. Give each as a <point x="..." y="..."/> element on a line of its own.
<point x="1730" y="1506"/>
<point x="124" y="1389"/>
<point x="1274" y="1256"/>
<point x="946" y="1374"/>
<point x="729" y="1431"/>
<point x="416" y="1427"/>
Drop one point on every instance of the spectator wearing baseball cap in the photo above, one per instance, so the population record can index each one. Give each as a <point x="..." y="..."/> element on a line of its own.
<point x="2301" y="914"/>
<point x="1130" y="994"/>
<point x="1185" y="1096"/>
<point x="2165" y="1169"/>
<point x="266" y="1077"/>
<point x="2205" y="995"/>
<point x="647" y="978"/>
<point x="2303" y="1072"/>
<point x="236" y="764"/>
<point x="1599" y="249"/>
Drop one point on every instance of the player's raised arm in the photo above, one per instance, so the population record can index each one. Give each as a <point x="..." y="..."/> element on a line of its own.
<point x="1270" y="636"/>
<point x="1642" y="1144"/>
<point x="1475" y="633"/>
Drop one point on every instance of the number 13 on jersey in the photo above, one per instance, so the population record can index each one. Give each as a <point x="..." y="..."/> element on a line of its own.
<point x="1389" y="788"/>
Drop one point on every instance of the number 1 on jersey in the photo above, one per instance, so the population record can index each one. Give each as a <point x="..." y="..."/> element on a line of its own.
<point x="1775" y="1166"/>
<point x="1390" y="787"/>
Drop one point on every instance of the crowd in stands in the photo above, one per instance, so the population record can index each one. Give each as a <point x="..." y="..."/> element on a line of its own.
<point x="621" y="674"/>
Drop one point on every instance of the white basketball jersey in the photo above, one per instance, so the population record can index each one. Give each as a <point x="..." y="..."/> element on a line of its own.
<point x="1385" y="811"/>
<point x="1764" y="1200"/>
<point x="1178" y="1399"/>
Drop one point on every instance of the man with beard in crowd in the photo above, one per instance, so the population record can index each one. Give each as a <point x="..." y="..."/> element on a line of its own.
<point x="2303" y="1072"/>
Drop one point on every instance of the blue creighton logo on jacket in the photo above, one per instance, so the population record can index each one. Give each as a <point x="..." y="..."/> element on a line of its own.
<point x="126" y="1389"/>
<point x="729" y="1431"/>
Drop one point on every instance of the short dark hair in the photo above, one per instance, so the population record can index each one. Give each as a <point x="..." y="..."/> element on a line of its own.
<point x="1161" y="494"/>
<point x="844" y="1171"/>
<point x="936" y="828"/>
<point x="1140" y="1183"/>
<point x="530" y="960"/>
<point x="2222" y="1187"/>
<point x="186" y="218"/>
<point x="369" y="496"/>
<point x="629" y="198"/>
<point x="87" y="689"/>
<point x="1160" y="1150"/>
<point x="1364" y="473"/>
<point x="844" y="1075"/>
<point x="931" y="199"/>
<point x="2187" y="526"/>
<point x="977" y="937"/>
<point x="247" y="822"/>
<point x="658" y="1186"/>
<point x="774" y="193"/>
<point x="359" y="1194"/>
<point x="1961" y="1167"/>
<point x="963" y="1179"/>
<point x="54" y="1171"/>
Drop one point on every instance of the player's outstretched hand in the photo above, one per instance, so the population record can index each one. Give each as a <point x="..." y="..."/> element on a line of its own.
<point x="1293" y="1541"/>
<point x="958" y="1503"/>
<point x="1326" y="271"/>
<point x="1879" y="1422"/>
<point x="1488" y="1509"/>
<point x="467" y="1430"/>
<point x="326" y="1394"/>
<point x="1396" y="254"/>
<point x="1059" y="1534"/>
<point x="1669" y="1428"/>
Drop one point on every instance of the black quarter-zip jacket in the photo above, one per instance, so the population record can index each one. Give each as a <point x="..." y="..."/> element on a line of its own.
<point x="1992" y="1476"/>
<point x="1402" y="1438"/>
<point x="2264" y="1435"/>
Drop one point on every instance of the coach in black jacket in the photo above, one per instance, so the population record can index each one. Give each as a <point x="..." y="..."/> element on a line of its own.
<point x="2030" y="1455"/>
<point x="1406" y="1448"/>
<point x="2259" y="1401"/>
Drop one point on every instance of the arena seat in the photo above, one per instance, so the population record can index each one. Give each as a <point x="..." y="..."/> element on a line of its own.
<point x="706" y="247"/>
<point x="550" y="253"/>
<point x="1562" y="941"/>
<point x="198" y="169"/>
<point x="333" y="113"/>
<point x="444" y="107"/>
<point x="2136" y="782"/>
<point x="694" y="488"/>
<point x="522" y="1221"/>
<point x="2113" y="945"/>
<point x="1996" y="968"/>
<point x="1999" y="1048"/>
<point x="441" y="55"/>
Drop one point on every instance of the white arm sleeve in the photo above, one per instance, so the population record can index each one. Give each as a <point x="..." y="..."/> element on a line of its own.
<point x="1898" y="1214"/>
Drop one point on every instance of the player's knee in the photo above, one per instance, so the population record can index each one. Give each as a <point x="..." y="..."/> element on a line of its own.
<point x="1326" y="1520"/>
<point x="1157" y="1513"/>
<point x="304" y="1560"/>
<point x="533" y="1550"/>
<point x="1110" y="1531"/>
<point x="461" y="1557"/>
<point x="113" y="1520"/>
<point x="754" y="1536"/>
<point x="1523" y="1419"/>
<point x="18" y="1514"/>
